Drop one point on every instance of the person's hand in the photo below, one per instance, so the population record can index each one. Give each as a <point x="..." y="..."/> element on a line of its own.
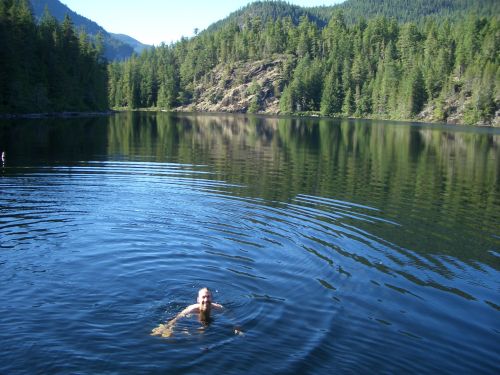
<point x="162" y="330"/>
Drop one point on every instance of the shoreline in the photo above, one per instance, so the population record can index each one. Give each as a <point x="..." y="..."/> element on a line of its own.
<point x="313" y="115"/>
<point x="65" y="114"/>
<point x="78" y="114"/>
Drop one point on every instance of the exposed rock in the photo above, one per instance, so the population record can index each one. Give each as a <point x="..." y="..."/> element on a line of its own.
<point x="453" y="110"/>
<point x="234" y="88"/>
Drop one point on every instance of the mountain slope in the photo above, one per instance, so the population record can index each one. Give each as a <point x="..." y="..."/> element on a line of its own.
<point x="269" y="11"/>
<point x="355" y="10"/>
<point x="135" y="44"/>
<point x="115" y="48"/>
<point x="407" y="10"/>
<point x="59" y="11"/>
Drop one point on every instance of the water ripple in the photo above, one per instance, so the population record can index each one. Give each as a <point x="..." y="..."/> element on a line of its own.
<point x="107" y="250"/>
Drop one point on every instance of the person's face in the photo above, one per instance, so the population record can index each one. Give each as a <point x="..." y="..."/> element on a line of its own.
<point x="205" y="300"/>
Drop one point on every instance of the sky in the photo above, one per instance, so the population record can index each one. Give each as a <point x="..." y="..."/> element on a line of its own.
<point x="157" y="21"/>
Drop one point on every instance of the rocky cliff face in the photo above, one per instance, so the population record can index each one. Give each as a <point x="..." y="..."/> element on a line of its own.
<point x="240" y="88"/>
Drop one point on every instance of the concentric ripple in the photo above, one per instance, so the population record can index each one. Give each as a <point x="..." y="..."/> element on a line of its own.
<point x="95" y="255"/>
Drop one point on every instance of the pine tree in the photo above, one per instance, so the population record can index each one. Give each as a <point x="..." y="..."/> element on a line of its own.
<point x="413" y="93"/>
<point x="331" y="100"/>
<point x="287" y="101"/>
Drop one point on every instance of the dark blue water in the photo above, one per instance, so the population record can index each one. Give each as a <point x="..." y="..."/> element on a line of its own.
<point x="336" y="246"/>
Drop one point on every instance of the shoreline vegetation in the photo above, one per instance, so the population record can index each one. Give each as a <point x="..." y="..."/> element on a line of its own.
<point x="272" y="58"/>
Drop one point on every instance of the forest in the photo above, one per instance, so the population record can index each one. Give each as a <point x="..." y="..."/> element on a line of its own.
<point x="376" y="68"/>
<point x="47" y="66"/>
<point x="433" y="69"/>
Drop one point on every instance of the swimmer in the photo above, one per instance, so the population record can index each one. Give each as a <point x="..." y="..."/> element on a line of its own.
<point x="203" y="308"/>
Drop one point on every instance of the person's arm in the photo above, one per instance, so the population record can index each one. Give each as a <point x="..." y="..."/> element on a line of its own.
<point x="166" y="330"/>
<point x="217" y="306"/>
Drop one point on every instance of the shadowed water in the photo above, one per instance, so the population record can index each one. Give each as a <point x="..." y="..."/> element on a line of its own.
<point x="337" y="246"/>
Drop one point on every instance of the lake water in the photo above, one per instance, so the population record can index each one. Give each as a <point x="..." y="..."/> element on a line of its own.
<point x="337" y="246"/>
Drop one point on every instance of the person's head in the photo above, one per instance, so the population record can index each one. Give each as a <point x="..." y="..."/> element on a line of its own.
<point x="205" y="299"/>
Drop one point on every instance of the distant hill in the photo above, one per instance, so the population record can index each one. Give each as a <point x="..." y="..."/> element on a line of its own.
<point x="116" y="47"/>
<point x="271" y="11"/>
<point x="355" y="10"/>
<point x="407" y="11"/>
<point x="135" y="44"/>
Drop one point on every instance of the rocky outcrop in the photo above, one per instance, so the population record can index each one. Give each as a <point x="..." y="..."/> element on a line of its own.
<point x="239" y="88"/>
<point x="453" y="110"/>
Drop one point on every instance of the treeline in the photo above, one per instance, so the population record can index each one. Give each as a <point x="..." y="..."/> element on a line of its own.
<point x="269" y="11"/>
<point x="410" y="11"/>
<point x="47" y="66"/>
<point x="375" y="68"/>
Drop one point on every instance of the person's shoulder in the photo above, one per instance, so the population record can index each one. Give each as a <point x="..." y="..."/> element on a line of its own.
<point x="217" y="305"/>
<point x="191" y="309"/>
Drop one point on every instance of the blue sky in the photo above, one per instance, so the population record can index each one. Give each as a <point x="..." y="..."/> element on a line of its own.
<point x="156" y="21"/>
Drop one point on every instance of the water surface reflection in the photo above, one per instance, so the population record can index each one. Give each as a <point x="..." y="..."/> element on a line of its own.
<point x="357" y="245"/>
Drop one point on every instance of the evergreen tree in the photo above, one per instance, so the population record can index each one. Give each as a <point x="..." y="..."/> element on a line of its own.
<point x="287" y="101"/>
<point x="413" y="89"/>
<point x="331" y="100"/>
